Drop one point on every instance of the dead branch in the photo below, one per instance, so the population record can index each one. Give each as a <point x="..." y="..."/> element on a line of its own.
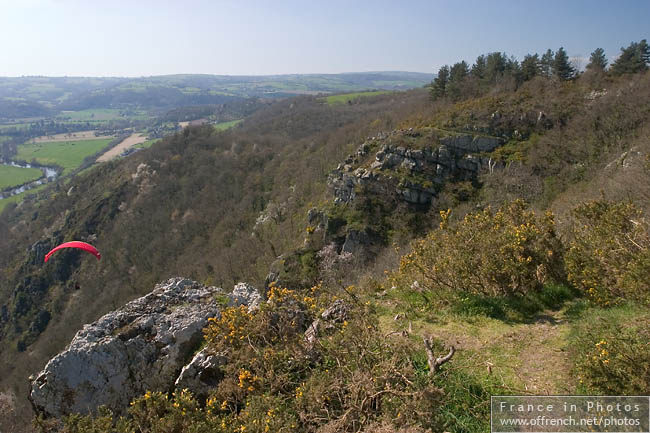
<point x="435" y="363"/>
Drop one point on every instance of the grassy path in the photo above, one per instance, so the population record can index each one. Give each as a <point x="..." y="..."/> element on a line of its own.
<point x="526" y="358"/>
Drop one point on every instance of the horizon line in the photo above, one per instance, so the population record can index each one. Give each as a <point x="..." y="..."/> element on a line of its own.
<point x="215" y="75"/>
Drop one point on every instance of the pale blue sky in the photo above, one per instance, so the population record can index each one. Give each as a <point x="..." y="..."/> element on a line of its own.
<point x="154" y="37"/>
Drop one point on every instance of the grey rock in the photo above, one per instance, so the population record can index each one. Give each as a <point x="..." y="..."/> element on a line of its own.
<point x="418" y="155"/>
<point x="142" y="346"/>
<point x="337" y="312"/>
<point x="245" y="294"/>
<point x="39" y="250"/>
<point x="356" y="243"/>
<point x="408" y="164"/>
<point x="311" y="334"/>
<point x="392" y="160"/>
<point x="468" y="163"/>
<point x="202" y="374"/>
<point x="446" y="159"/>
<point x="486" y="144"/>
<point x="458" y="144"/>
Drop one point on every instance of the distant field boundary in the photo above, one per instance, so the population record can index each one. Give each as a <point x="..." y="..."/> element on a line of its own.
<point x="69" y="136"/>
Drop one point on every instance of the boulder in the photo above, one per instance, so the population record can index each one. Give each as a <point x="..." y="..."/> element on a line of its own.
<point x="245" y="294"/>
<point x="486" y="144"/>
<point x="202" y="374"/>
<point x="356" y="243"/>
<point x="38" y="251"/>
<point x="459" y="144"/>
<point x="338" y="312"/>
<point x="140" y="347"/>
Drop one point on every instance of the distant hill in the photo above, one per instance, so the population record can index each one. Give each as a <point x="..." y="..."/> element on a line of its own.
<point x="25" y="97"/>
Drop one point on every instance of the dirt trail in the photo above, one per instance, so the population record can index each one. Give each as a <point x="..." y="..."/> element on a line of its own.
<point x="545" y="367"/>
<point x="131" y="140"/>
<point x="531" y="357"/>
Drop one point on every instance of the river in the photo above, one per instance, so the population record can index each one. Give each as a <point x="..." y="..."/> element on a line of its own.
<point x="49" y="174"/>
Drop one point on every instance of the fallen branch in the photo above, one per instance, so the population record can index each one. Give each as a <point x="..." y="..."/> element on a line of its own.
<point x="435" y="363"/>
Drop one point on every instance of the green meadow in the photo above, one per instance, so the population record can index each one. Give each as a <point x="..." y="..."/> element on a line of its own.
<point x="225" y="125"/>
<point x="15" y="176"/>
<point x="146" y="144"/>
<point x="66" y="154"/>
<point x="100" y="115"/>
<point x="347" y="97"/>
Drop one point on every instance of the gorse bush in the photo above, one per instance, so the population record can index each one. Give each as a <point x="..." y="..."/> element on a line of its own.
<point x="609" y="256"/>
<point x="349" y="378"/>
<point x="612" y="354"/>
<point x="506" y="252"/>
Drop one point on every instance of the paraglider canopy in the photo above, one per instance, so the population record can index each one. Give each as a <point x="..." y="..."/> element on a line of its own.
<point x="75" y="244"/>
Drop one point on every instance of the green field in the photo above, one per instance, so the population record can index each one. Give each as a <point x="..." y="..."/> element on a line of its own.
<point x="22" y="126"/>
<point x="146" y="144"/>
<point x="347" y="97"/>
<point x="225" y="125"/>
<point x="66" y="154"/>
<point x="15" y="176"/>
<point x="100" y="115"/>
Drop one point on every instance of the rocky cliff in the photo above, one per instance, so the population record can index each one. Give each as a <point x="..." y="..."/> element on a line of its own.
<point x="147" y="345"/>
<point x="412" y="163"/>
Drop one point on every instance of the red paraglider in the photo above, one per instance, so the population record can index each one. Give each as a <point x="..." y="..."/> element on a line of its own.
<point x="75" y="244"/>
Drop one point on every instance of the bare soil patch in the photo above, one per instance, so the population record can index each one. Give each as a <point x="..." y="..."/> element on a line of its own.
<point x="131" y="140"/>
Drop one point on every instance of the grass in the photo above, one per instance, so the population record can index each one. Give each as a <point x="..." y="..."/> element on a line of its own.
<point x="145" y="144"/>
<point x="66" y="154"/>
<point x="99" y="115"/>
<point x="91" y="114"/>
<point x="226" y="125"/>
<point x="15" y="176"/>
<point x="512" y="340"/>
<point x="347" y="97"/>
<point x="19" y="126"/>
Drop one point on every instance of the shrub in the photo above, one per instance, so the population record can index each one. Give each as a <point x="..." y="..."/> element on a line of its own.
<point x="350" y="378"/>
<point x="612" y="354"/>
<point x="609" y="256"/>
<point x="507" y="252"/>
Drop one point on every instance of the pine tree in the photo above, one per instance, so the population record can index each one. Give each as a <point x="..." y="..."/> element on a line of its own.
<point x="634" y="58"/>
<point x="478" y="68"/>
<point x="530" y="67"/>
<point x="495" y="65"/>
<point x="513" y="70"/>
<point x="546" y="63"/>
<point x="439" y="87"/>
<point x="561" y="66"/>
<point x="644" y="51"/>
<point x="597" y="61"/>
<point x="457" y="74"/>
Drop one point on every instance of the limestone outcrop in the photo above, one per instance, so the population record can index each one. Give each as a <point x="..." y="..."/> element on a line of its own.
<point x="418" y="172"/>
<point x="142" y="346"/>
